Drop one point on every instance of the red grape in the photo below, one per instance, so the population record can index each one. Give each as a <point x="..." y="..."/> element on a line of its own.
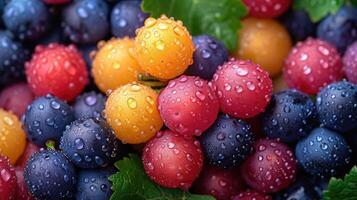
<point x="188" y="105"/>
<point x="311" y="65"/>
<point x="22" y="192"/>
<point x="7" y="179"/>
<point x="243" y="88"/>
<point x="271" y="167"/>
<point x="252" y="195"/>
<point x="16" y="98"/>
<point x="172" y="160"/>
<point x="221" y="183"/>
<point x="267" y="8"/>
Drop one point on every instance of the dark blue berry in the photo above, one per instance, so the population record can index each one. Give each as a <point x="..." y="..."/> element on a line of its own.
<point x="49" y="175"/>
<point x="46" y="119"/>
<point x="290" y="116"/>
<point x="323" y="153"/>
<point x="89" y="104"/>
<point x="86" y="21"/>
<point x="209" y="54"/>
<point x="299" y="25"/>
<point x="126" y="17"/>
<point x="339" y="29"/>
<point x="337" y="106"/>
<point x="86" y="51"/>
<point x="90" y="143"/>
<point x="94" y="184"/>
<point x="227" y="142"/>
<point x="27" y="19"/>
<point x="12" y="59"/>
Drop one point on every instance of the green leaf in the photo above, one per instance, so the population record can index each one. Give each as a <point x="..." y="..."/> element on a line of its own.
<point x="354" y="2"/>
<point x="318" y="9"/>
<point x="132" y="183"/>
<point x="345" y="189"/>
<point x="218" y="18"/>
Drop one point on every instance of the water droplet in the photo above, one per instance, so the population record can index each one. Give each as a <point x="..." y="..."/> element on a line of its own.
<point x="90" y="100"/>
<point x="55" y="105"/>
<point x="5" y="175"/>
<point x="79" y="144"/>
<point x="170" y="145"/>
<point x="132" y="103"/>
<point x="200" y="96"/>
<point x="160" y="45"/>
<point x="242" y="71"/>
<point x="250" y="86"/>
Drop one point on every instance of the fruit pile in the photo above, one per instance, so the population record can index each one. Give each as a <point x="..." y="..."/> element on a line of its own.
<point x="165" y="99"/>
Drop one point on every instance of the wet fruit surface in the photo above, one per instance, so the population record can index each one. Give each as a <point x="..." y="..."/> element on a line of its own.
<point x="228" y="142"/>
<point x="243" y="88"/>
<point x="114" y="64"/>
<point x="267" y="8"/>
<point x="272" y="167"/>
<point x="13" y="137"/>
<point x="265" y="42"/>
<point x="164" y="48"/>
<point x="172" y="160"/>
<point x="350" y="63"/>
<point x="57" y="69"/>
<point x="131" y="110"/>
<point x="7" y="179"/>
<point x="188" y="105"/>
<point x="311" y="65"/>
<point x="323" y="153"/>
<point x="251" y="194"/>
<point x="90" y="104"/>
<point x="220" y="183"/>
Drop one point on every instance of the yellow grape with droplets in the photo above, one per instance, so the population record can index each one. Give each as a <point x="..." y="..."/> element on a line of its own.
<point x="12" y="136"/>
<point x="131" y="110"/>
<point x="164" y="47"/>
<point x="114" y="64"/>
<point x="265" y="42"/>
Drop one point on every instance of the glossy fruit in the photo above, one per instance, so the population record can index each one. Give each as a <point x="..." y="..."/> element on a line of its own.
<point x="208" y="55"/>
<point x="323" y="153"/>
<point x="188" y="105"/>
<point x="15" y="98"/>
<point x="90" y="143"/>
<point x="350" y="63"/>
<point x="126" y="17"/>
<point x="299" y="25"/>
<point x="311" y="65"/>
<point x="222" y="184"/>
<point x="252" y="195"/>
<point x="94" y="184"/>
<point x="13" y="137"/>
<point x="86" y="21"/>
<point x="164" y="47"/>
<point x="267" y="9"/>
<point x="337" y="106"/>
<point x="172" y="160"/>
<point x="56" y="1"/>
<point x="340" y="28"/>
<point x="90" y="104"/>
<point x="49" y="174"/>
<point x="272" y="167"/>
<point x="28" y="20"/>
<point x="114" y="64"/>
<point x="21" y="191"/>
<point x="57" y="69"/>
<point x="243" y="88"/>
<point x="265" y="42"/>
<point x="12" y="58"/>
<point x="131" y="110"/>
<point x="30" y="149"/>
<point x="46" y="119"/>
<point x="290" y="116"/>
<point x="228" y="142"/>
<point x="7" y="180"/>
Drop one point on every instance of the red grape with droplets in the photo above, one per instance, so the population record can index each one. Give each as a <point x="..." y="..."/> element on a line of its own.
<point x="311" y="65"/>
<point x="267" y="8"/>
<point x="223" y="184"/>
<point x="22" y="192"/>
<point x="172" y="160"/>
<point x="251" y="195"/>
<point x="350" y="63"/>
<point x="16" y="98"/>
<point x="57" y="69"/>
<point x="188" y="105"/>
<point x="243" y="88"/>
<point x="30" y="149"/>
<point x="7" y="179"/>
<point x="272" y="167"/>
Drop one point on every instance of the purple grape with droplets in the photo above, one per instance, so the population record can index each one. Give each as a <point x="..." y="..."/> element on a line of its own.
<point x="350" y="63"/>
<point x="90" y="104"/>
